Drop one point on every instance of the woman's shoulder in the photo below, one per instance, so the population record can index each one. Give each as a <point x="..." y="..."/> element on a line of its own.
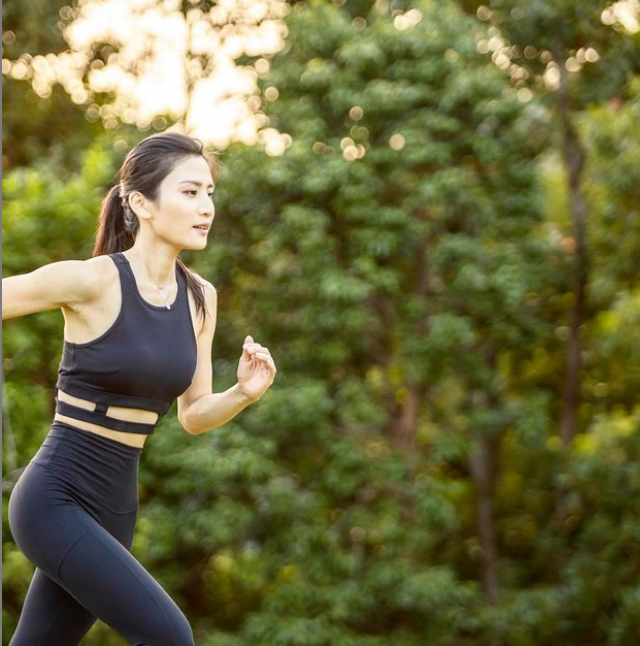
<point x="63" y="283"/>
<point x="100" y="265"/>
<point x="94" y="274"/>
<point x="203" y="282"/>
<point x="209" y="292"/>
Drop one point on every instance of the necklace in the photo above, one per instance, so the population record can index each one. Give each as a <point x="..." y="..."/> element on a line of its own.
<point x="165" y="296"/>
<point x="161" y="288"/>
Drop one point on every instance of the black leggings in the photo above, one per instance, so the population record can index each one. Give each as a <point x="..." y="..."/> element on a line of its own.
<point x="73" y="514"/>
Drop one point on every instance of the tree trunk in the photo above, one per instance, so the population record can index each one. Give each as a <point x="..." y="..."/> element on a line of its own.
<point x="482" y="470"/>
<point x="574" y="158"/>
<point x="405" y="427"/>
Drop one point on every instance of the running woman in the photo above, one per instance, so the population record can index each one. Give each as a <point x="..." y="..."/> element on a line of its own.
<point x="138" y="334"/>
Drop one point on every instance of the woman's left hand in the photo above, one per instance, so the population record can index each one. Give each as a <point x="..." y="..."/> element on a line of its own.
<point x="256" y="369"/>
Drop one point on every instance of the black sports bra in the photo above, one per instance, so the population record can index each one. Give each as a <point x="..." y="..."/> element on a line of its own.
<point x="145" y="360"/>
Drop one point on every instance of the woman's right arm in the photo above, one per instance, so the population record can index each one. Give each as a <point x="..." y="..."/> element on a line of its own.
<point x="66" y="282"/>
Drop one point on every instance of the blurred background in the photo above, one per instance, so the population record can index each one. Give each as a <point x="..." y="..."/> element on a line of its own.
<point x="429" y="213"/>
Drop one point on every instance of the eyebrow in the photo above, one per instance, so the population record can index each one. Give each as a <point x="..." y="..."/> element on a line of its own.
<point x="191" y="181"/>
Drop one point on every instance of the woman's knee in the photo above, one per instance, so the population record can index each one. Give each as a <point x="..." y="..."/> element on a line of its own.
<point x="177" y="632"/>
<point x="182" y="631"/>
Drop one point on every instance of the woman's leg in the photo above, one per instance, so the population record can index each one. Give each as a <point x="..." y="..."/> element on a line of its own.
<point x="99" y="578"/>
<point x="51" y="616"/>
<point x="112" y="584"/>
<point x="83" y="547"/>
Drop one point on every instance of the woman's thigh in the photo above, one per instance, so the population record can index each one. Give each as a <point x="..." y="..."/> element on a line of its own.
<point x="114" y="586"/>
<point x="85" y="551"/>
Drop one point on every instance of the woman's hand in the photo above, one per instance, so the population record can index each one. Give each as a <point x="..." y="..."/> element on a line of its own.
<point x="256" y="369"/>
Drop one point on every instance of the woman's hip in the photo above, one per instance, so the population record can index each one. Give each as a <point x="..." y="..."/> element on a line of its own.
<point x="73" y="473"/>
<point x="46" y="512"/>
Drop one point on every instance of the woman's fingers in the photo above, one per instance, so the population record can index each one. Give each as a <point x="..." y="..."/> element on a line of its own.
<point x="256" y="349"/>
<point x="262" y="354"/>
<point x="266" y="359"/>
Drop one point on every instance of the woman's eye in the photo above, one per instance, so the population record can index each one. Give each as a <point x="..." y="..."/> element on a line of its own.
<point x="196" y="192"/>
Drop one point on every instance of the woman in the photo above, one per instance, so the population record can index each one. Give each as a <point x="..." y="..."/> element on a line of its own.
<point x="138" y="334"/>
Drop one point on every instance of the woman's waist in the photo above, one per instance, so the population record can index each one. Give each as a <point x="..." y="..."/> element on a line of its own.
<point x="84" y="450"/>
<point x="131" y="440"/>
<point x="89" y="467"/>
<point x="119" y="423"/>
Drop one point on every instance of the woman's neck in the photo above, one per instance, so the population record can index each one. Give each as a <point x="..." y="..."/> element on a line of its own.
<point x="158" y="264"/>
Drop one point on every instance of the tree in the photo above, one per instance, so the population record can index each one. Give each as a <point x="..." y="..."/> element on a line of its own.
<point x="573" y="54"/>
<point x="38" y="122"/>
<point x="394" y="227"/>
<point x="154" y="64"/>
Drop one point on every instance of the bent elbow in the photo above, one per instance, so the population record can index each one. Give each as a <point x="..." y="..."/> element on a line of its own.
<point x="188" y="426"/>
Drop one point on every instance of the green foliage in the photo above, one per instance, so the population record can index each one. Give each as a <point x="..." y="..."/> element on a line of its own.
<point x="542" y="32"/>
<point x="613" y="189"/>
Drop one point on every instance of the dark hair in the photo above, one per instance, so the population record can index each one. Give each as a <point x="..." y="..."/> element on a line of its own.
<point x="144" y="169"/>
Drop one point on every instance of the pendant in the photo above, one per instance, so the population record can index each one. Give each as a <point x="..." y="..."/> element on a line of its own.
<point x="168" y="307"/>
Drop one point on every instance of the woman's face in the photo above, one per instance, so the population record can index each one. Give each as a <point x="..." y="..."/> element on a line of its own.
<point x="185" y="202"/>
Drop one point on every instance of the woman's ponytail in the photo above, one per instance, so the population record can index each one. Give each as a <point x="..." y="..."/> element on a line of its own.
<point x="116" y="227"/>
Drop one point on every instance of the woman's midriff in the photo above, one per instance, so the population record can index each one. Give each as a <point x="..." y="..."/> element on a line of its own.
<point x="117" y="412"/>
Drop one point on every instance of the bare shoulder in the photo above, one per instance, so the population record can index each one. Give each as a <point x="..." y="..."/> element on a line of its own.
<point x="93" y="276"/>
<point x="210" y="293"/>
<point x="63" y="283"/>
<point x="210" y="297"/>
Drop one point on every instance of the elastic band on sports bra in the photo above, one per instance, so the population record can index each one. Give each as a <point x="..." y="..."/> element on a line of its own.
<point x="71" y="387"/>
<point x="99" y="416"/>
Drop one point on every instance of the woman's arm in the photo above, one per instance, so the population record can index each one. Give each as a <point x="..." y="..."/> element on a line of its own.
<point x="199" y="409"/>
<point x="66" y="282"/>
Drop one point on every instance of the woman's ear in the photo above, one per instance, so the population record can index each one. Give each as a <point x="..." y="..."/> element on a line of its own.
<point x="140" y="205"/>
